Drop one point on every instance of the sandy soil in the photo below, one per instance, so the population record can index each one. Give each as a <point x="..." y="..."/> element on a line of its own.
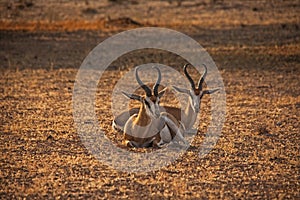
<point x="255" y="44"/>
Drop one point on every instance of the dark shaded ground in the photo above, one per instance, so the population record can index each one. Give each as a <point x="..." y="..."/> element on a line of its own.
<point x="256" y="157"/>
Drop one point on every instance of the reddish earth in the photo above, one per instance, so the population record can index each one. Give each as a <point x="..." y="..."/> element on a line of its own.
<point x="256" y="46"/>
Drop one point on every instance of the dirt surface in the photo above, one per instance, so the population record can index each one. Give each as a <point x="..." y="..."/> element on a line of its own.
<point x="256" y="46"/>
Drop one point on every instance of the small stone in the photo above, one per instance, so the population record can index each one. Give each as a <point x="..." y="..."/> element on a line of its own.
<point x="279" y="123"/>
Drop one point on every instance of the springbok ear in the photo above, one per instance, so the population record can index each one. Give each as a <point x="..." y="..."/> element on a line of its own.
<point x="132" y="96"/>
<point x="181" y="90"/>
<point x="211" y="91"/>
<point x="162" y="92"/>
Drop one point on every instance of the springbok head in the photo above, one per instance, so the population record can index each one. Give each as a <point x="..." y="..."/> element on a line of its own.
<point x="150" y="100"/>
<point x="195" y="93"/>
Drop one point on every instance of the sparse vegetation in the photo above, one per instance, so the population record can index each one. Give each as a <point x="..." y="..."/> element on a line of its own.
<point x="257" y="156"/>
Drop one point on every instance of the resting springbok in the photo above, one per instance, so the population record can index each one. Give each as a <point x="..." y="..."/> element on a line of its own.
<point x="150" y="126"/>
<point x="188" y="115"/>
<point x="195" y="95"/>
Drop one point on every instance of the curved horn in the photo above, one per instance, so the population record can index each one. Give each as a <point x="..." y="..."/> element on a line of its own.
<point x="145" y="87"/>
<point x="201" y="80"/>
<point x="188" y="76"/>
<point x="155" y="87"/>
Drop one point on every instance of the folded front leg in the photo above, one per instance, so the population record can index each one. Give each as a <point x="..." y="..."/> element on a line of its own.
<point x="175" y="127"/>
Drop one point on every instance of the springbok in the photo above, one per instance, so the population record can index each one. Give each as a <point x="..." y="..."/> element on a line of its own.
<point x="149" y="126"/>
<point x="195" y="94"/>
<point x="187" y="117"/>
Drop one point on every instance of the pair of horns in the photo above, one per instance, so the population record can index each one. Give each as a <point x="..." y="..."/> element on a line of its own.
<point x="145" y="87"/>
<point x="201" y="80"/>
<point x="155" y="87"/>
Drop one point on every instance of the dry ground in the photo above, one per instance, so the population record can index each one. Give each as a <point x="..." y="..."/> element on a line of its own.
<point x="255" y="44"/>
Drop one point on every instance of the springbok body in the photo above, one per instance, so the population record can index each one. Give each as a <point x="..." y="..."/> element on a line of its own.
<point x="148" y="125"/>
<point x="187" y="117"/>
